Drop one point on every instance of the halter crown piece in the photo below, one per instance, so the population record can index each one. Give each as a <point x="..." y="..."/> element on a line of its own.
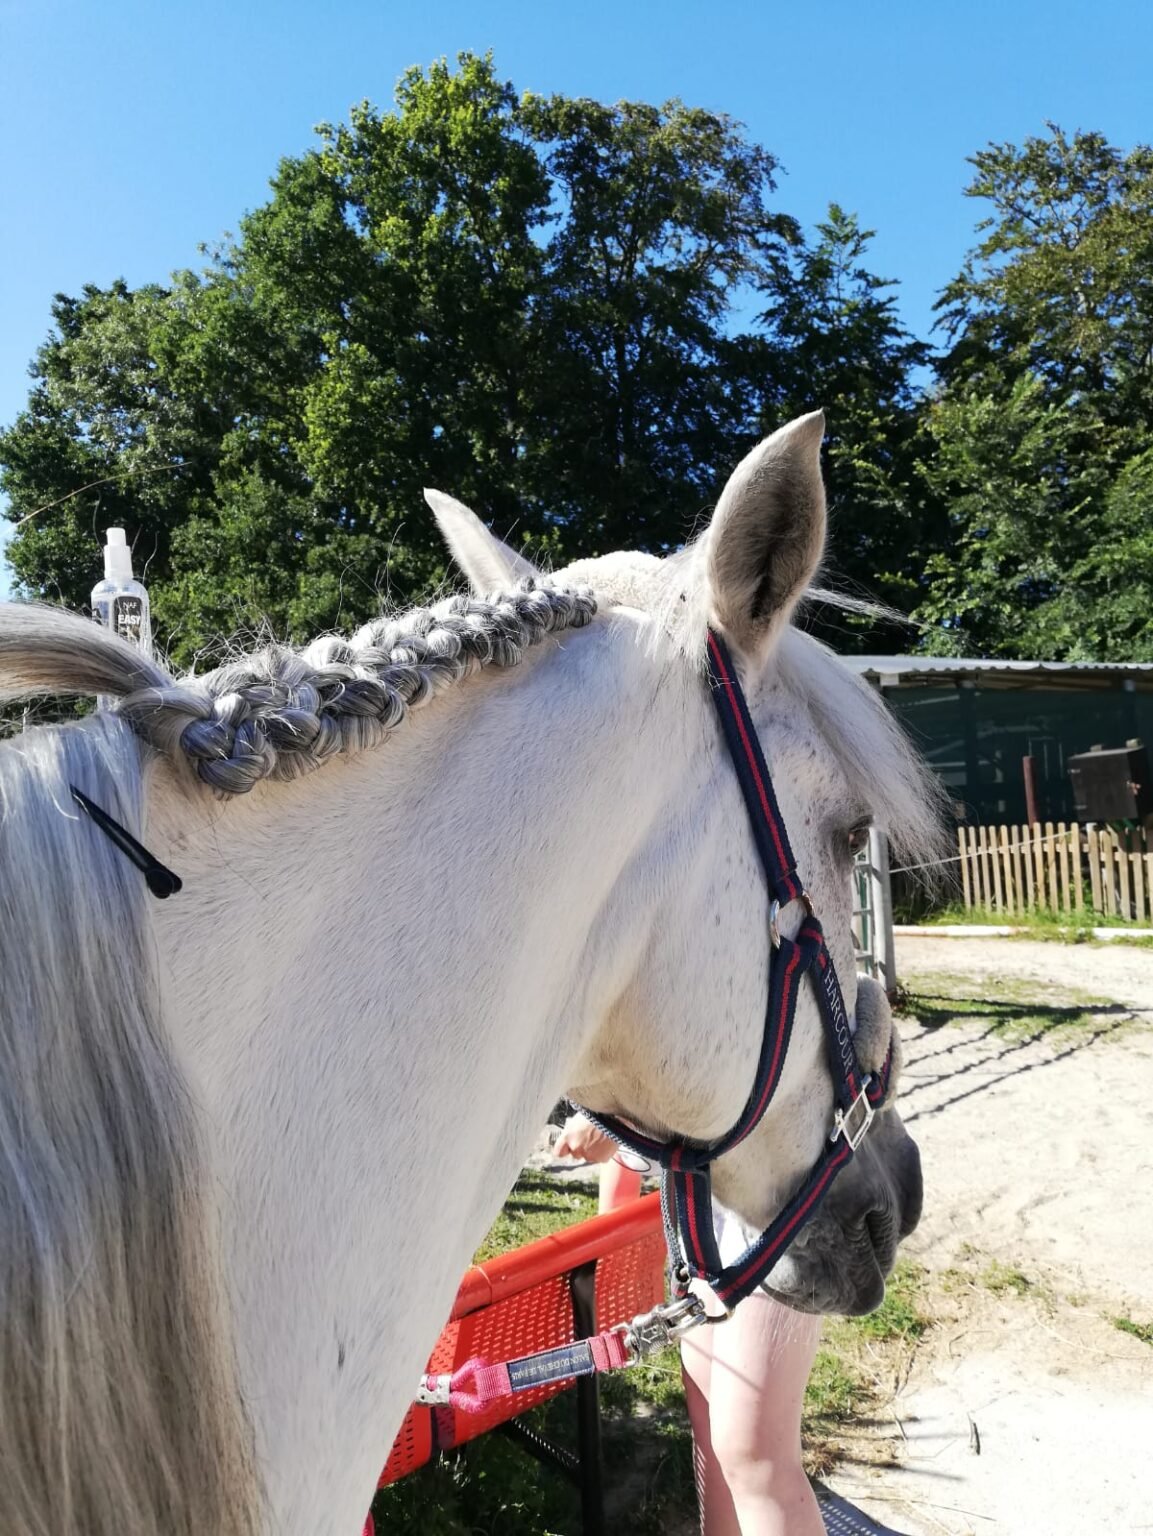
<point x="686" y="1189"/>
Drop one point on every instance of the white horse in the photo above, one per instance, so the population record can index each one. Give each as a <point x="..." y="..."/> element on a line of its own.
<point x="251" y="1136"/>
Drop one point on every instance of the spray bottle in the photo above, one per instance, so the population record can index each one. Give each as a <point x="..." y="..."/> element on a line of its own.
<point x="119" y="602"/>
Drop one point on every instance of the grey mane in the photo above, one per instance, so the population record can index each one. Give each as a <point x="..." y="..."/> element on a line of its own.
<point x="281" y="713"/>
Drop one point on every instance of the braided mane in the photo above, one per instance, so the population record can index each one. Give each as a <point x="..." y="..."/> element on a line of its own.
<point x="281" y="713"/>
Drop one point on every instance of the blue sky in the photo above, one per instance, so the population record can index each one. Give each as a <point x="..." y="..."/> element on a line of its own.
<point x="133" y="130"/>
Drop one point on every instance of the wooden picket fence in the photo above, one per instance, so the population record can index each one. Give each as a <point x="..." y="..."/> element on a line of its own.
<point x="1044" y="868"/>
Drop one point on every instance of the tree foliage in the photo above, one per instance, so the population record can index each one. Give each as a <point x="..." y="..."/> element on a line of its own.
<point x="526" y="301"/>
<point x="1041" y="432"/>
<point x="838" y="341"/>
<point x="577" y="317"/>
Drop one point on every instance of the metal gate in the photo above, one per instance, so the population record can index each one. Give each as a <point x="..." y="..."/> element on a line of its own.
<point x="873" y="913"/>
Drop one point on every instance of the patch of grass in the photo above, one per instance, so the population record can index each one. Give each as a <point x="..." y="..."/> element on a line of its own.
<point x="856" y="1355"/>
<point x="952" y="1280"/>
<point x="537" y="1206"/>
<point x="975" y="1270"/>
<point x="648" y="1446"/>
<point x="899" y="1316"/>
<point x="1017" y="1008"/>
<point x="1050" y="927"/>
<point x="1142" y="1331"/>
<point x="833" y="1393"/>
<point x="1003" y="1278"/>
<point x="1046" y="925"/>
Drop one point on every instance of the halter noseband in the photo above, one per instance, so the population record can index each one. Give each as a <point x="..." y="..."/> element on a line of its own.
<point x="686" y="1189"/>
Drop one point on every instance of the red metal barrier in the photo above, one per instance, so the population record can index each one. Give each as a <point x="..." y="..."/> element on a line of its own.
<point x="519" y="1302"/>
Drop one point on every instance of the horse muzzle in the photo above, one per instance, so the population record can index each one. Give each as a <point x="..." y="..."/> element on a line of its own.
<point x="839" y="1263"/>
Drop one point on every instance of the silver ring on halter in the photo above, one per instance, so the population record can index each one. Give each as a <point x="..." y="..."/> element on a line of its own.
<point x="775" y="912"/>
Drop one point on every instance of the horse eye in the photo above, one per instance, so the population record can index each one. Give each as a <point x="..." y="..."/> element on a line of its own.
<point x="859" y="837"/>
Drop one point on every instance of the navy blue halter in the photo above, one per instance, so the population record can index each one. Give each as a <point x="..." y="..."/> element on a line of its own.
<point x="686" y="1193"/>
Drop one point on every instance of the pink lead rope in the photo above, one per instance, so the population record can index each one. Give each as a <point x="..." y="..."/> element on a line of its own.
<point x="478" y="1385"/>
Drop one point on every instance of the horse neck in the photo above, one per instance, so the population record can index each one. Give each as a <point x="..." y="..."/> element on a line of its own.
<point x="380" y="980"/>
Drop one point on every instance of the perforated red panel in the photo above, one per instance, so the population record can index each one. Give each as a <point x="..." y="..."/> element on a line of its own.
<point x="630" y="1279"/>
<point x="411" y="1448"/>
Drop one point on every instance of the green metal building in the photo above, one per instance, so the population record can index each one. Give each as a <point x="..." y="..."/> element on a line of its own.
<point x="976" y="720"/>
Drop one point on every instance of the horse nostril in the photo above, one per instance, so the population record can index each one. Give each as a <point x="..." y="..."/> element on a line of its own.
<point x="879" y="1226"/>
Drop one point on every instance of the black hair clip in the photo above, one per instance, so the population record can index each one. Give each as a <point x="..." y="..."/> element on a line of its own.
<point x="162" y="882"/>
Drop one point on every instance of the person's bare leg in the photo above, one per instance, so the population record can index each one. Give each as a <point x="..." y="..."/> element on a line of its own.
<point x="753" y="1382"/>
<point x="718" y="1516"/>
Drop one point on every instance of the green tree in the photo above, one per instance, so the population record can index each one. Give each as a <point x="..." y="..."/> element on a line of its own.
<point x="527" y="302"/>
<point x="837" y="341"/>
<point x="645" y="393"/>
<point x="1046" y="406"/>
<point x="101" y="415"/>
<point x="357" y="340"/>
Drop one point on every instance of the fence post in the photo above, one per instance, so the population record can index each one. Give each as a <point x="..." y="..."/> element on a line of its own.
<point x="1024" y="889"/>
<point x="1108" y="880"/>
<point x="1094" y="856"/>
<point x="1012" y="895"/>
<point x="1075" y="850"/>
<point x="1054" y="901"/>
<point x="986" y="881"/>
<point x="1038" y="837"/>
<point x="995" y="853"/>
<point x="1025" y="854"/>
<point x="963" y="850"/>
<point x="1138" y="880"/>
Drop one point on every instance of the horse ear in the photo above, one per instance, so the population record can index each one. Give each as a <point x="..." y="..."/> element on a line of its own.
<point x="489" y="565"/>
<point x="768" y="534"/>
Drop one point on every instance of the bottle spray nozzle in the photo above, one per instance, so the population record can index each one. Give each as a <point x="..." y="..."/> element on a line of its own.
<point x="117" y="556"/>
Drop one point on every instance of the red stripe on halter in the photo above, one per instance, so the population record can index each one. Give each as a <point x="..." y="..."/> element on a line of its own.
<point x="694" y="1231"/>
<point x="752" y="761"/>
<point x="833" y="1165"/>
<point x="770" y="1081"/>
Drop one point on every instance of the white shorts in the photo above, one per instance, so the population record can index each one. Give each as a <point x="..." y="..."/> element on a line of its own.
<point x="732" y="1239"/>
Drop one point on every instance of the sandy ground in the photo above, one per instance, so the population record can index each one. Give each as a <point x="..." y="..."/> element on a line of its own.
<point x="1025" y="1412"/>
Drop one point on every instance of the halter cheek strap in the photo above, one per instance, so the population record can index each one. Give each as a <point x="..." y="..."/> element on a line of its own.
<point x="686" y="1193"/>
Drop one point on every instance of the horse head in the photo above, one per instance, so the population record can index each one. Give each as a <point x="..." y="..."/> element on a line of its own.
<point x="677" y="1046"/>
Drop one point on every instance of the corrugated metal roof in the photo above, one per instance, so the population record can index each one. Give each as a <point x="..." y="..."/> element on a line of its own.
<point x="892" y="670"/>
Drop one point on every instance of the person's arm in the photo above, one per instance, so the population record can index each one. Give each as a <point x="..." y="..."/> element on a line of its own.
<point x="582" y="1139"/>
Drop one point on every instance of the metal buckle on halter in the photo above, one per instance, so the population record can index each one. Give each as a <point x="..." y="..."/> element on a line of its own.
<point x="775" y="912"/>
<point x="853" y="1123"/>
<point x="653" y="1330"/>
